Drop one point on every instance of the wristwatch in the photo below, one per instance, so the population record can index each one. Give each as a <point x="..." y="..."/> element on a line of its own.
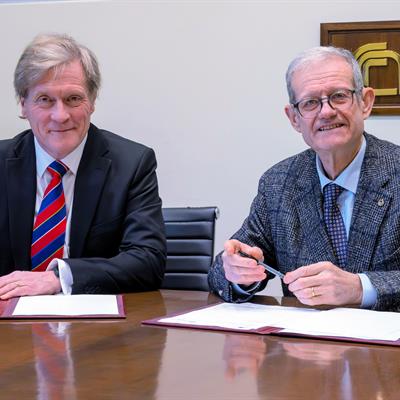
<point x="56" y="271"/>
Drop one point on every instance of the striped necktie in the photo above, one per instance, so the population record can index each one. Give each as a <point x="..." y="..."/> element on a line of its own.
<point x="334" y="222"/>
<point x="48" y="235"/>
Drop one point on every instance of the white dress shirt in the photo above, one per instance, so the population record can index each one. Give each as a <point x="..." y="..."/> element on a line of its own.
<point x="43" y="177"/>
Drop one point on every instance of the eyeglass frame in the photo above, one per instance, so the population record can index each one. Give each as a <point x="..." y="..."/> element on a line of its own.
<point x="322" y="99"/>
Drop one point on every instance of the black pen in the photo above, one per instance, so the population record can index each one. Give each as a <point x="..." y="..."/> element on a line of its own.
<point x="267" y="267"/>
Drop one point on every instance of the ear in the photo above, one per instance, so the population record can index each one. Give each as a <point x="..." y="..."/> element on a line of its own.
<point x="92" y="107"/>
<point x="23" y="109"/>
<point x="368" y="97"/>
<point x="293" y="116"/>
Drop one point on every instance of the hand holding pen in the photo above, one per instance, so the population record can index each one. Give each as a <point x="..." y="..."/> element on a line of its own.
<point x="239" y="269"/>
<point x="266" y="266"/>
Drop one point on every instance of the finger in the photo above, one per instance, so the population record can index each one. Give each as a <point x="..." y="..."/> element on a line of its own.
<point x="232" y="246"/>
<point x="298" y="273"/>
<point x="8" y="287"/>
<point x="12" y="290"/>
<point x="3" y="284"/>
<point x="253" y="251"/>
<point x="244" y="279"/>
<point x="246" y="275"/>
<point x="315" y="295"/>
<point x="308" y="293"/>
<point x="238" y="269"/>
<point x="14" y="276"/>
<point x="305" y="271"/>
<point x="236" y="260"/>
<point x="306" y="297"/>
<point x="306" y="283"/>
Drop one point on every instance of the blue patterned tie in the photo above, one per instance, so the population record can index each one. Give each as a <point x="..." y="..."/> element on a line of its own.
<point x="334" y="223"/>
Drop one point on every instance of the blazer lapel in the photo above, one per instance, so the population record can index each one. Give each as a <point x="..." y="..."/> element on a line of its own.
<point x="371" y="204"/>
<point x="21" y="192"/>
<point x="91" y="176"/>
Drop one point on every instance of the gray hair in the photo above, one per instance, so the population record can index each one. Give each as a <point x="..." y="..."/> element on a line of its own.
<point x="323" y="53"/>
<point x="52" y="52"/>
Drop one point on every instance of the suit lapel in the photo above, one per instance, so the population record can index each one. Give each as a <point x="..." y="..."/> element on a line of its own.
<point x="90" y="179"/>
<point x="371" y="204"/>
<point x="21" y="192"/>
<point x="308" y="203"/>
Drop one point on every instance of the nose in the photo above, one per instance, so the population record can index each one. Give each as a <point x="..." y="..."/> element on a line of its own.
<point x="59" y="112"/>
<point x="326" y="107"/>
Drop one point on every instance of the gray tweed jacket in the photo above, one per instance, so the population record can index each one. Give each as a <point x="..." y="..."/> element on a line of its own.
<point x="286" y="222"/>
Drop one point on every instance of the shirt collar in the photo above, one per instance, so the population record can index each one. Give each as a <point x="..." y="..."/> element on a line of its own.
<point x="348" y="178"/>
<point x="72" y="160"/>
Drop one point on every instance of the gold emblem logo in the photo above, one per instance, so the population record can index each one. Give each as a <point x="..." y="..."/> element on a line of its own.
<point x="376" y="55"/>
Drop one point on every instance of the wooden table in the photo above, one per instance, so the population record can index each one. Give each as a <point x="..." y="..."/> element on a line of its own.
<point x="121" y="359"/>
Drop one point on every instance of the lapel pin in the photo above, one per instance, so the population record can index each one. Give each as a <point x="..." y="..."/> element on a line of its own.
<point x="381" y="202"/>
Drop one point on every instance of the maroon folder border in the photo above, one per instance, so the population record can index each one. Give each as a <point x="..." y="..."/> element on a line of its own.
<point x="7" y="308"/>
<point x="265" y="330"/>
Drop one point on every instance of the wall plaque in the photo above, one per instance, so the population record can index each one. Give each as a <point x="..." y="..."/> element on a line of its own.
<point x="376" y="46"/>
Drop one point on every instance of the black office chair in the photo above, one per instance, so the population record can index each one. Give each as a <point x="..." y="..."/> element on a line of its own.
<point x="190" y="246"/>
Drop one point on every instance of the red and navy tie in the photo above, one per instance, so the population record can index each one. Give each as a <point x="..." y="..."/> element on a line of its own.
<point x="48" y="235"/>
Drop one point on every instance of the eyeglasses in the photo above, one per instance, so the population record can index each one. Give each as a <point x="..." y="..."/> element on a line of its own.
<point x="339" y="100"/>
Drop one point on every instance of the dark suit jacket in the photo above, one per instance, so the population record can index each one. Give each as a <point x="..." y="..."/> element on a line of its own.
<point x="117" y="241"/>
<point x="286" y="222"/>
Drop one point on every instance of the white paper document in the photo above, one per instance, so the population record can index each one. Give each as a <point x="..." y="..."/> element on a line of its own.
<point x="340" y="322"/>
<point x="74" y="305"/>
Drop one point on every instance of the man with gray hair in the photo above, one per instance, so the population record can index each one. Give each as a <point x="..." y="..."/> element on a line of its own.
<point x="328" y="218"/>
<point x="79" y="206"/>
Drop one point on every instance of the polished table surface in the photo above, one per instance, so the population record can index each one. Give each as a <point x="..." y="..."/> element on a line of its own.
<point x="122" y="359"/>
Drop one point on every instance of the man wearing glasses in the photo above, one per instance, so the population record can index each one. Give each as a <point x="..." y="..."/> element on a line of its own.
<point x="327" y="218"/>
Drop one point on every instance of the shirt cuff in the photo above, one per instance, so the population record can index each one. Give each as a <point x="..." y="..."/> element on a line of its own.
<point x="370" y="294"/>
<point x="249" y="290"/>
<point x="66" y="279"/>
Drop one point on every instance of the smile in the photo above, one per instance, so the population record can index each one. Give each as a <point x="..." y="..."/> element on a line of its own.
<point x="60" y="130"/>
<point x="329" y="127"/>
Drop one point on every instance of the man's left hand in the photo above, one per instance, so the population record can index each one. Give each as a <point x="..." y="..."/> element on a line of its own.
<point x="324" y="283"/>
<point x="28" y="283"/>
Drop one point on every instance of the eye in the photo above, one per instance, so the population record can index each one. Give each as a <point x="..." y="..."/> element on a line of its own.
<point x="74" y="100"/>
<point x="339" y="97"/>
<point x="44" y="101"/>
<point x="309" y="104"/>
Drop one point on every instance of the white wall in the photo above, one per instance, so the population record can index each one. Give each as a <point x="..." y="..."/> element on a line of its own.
<point x="202" y="82"/>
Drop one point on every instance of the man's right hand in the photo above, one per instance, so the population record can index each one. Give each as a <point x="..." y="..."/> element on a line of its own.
<point x="28" y="283"/>
<point x="242" y="270"/>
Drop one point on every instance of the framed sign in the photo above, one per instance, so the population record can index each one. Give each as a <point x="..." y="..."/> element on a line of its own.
<point x="376" y="47"/>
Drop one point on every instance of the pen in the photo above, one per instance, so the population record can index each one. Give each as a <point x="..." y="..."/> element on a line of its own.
<point x="267" y="267"/>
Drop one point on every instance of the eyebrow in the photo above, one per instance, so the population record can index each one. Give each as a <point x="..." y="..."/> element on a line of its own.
<point x="313" y="96"/>
<point x="80" y="93"/>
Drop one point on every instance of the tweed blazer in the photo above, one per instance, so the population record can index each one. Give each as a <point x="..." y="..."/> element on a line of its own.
<point x="286" y="222"/>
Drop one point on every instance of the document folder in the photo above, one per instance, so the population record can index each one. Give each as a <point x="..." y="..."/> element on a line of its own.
<point x="200" y="319"/>
<point x="60" y="307"/>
